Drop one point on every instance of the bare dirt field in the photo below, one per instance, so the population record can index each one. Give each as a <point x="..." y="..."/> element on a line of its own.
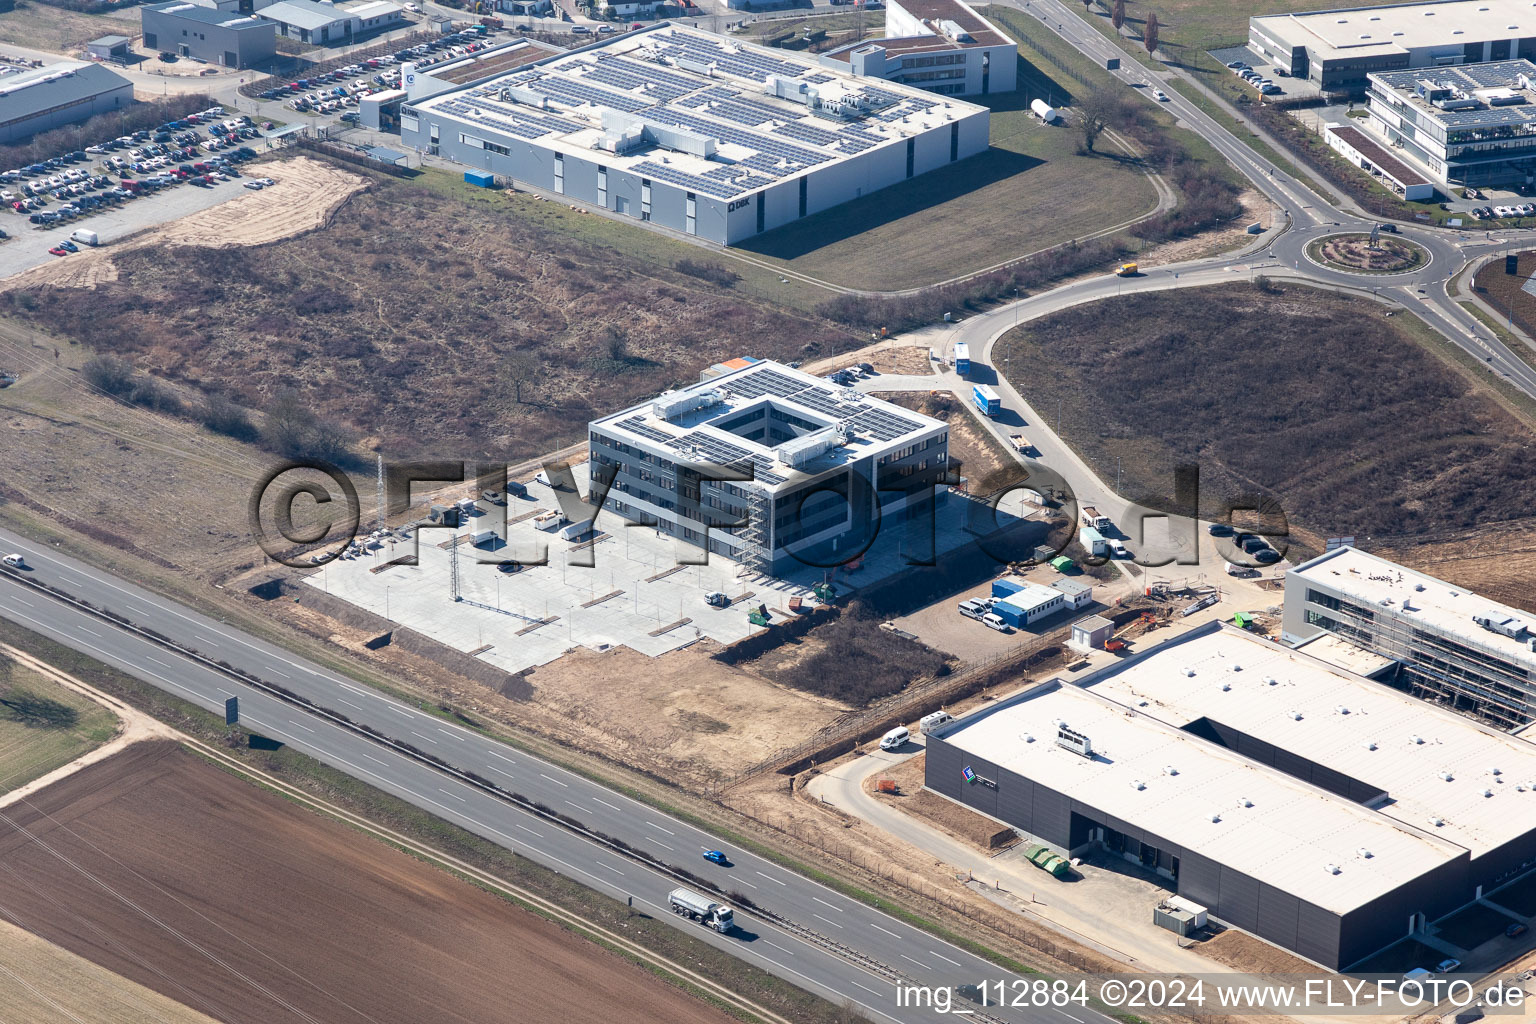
<point x="682" y="715"/>
<point x="178" y="876"/>
<point x="983" y="461"/>
<point x="885" y="356"/>
<point x="307" y="193"/>
<point x="44" y="984"/>
<point x="1350" y="420"/>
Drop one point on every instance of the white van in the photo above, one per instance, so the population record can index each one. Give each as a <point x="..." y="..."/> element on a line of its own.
<point x="895" y="738"/>
<point x="928" y="723"/>
<point x="997" y="622"/>
<point x="972" y="609"/>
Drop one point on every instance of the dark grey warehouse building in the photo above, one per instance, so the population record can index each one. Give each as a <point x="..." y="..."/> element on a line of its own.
<point x="1314" y="808"/>
<point x="206" y="33"/>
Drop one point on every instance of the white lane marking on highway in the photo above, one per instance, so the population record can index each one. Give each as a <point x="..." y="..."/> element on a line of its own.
<point x="528" y="830"/>
<point x="946" y="959"/>
<point x="659" y="843"/>
<point x="454" y="795"/>
<point x="886" y="930"/>
<point x="606" y="804"/>
<point x="338" y="682"/>
<point x="374" y="759"/>
<point x="66" y="579"/>
<point x="277" y="672"/>
<point x="498" y="771"/>
<point x="203" y="639"/>
<point x="829" y="921"/>
<point x="20" y="601"/>
<point x="555" y="781"/>
<point x="400" y="711"/>
<point x="419" y="736"/>
<point x="291" y="722"/>
<point x="666" y="830"/>
<point x="1065" y="1014"/>
<point x="743" y="881"/>
<point x="866" y="988"/>
<point x="824" y="903"/>
<point x="90" y="631"/>
<point x="503" y="757"/>
<point x="579" y="807"/>
<point x="452" y="735"/>
<point x="778" y="947"/>
<point x="918" y="962"/>
<point x="772" y="879"/>
<point x="157" y="661"/>
<point x="610" y="867"/>
<point x="349" y="704"/>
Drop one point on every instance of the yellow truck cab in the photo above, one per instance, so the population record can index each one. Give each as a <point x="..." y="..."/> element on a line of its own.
<point x="1126" y="270"/>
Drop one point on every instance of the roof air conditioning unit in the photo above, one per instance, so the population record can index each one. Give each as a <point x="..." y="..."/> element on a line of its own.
<point x="1417" y="741"/>
<point x="1364" y="853"/>
<point x="1243" y="801"/>
<point x="1026" y="737"/>
<point x="1189" y="672"/>
<point x="1295" y="715"/>
<point x="1215" y="817"/>
<point x="1370" y="744"/>
<point x="1445" y="775"/>
<point x="1496" y="771"/>
<point x="1169" y="769"/>
<point x="1437" y="822"/>
<point x="1138" y="784"/>
<point x="1341" y="709"/>
<point x="1332" y="869"/>
<point x="1272" y="681"/>
<point x="1487" y="792"/>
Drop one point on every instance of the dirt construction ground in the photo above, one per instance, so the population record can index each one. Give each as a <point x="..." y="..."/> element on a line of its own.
<point x="305" y="195"/>
<point x="194" y="883"/>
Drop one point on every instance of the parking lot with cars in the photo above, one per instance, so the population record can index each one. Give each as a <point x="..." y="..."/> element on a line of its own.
<point x="120" y="186"/>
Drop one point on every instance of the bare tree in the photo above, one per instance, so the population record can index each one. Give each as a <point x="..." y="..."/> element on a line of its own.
<point x="1096" y="111"/>
<point x="519" y="367"/>
<point x="1149" y="32"/>
<point x="1117" y="15"/>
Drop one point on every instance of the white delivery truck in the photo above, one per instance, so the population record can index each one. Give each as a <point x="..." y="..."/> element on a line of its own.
<point x="549" y="521"/>
<point x="576" y="531"/>
<point x="702" y="909"/>
<point x="85" y="236"/>
<point x="483" y="538"/>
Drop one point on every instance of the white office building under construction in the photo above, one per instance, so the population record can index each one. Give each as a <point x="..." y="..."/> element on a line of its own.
<point x="823" y="467"/>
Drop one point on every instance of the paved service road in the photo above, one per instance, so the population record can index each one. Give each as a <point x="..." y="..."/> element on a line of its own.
<point x="917" y="956"/>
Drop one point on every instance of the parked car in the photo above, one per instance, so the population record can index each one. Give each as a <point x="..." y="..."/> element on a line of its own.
<point x="1515" y="929"/>
<point x="1447" y="965"/>
<point x="994" y="621"/>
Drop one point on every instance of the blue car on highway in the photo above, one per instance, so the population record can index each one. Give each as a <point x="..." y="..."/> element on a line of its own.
<point x="716" y="857"/>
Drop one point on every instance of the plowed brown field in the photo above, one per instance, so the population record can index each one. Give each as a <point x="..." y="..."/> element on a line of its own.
<point x="202" y="887"/>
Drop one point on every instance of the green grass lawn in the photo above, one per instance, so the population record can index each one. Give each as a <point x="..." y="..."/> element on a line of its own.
<point x="29" y="751"/>
<point x="53" y="28"/>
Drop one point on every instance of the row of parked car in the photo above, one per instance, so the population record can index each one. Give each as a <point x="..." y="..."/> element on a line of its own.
<point x="1244" y="71"/>
<point x="1504" y="212"/>
<point x="203" y="173"/>
<point x="980" y="609"/>
<point x="849" y="374"/>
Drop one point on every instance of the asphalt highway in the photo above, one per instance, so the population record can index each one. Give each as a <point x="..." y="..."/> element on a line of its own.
<point x="895" y="947"/>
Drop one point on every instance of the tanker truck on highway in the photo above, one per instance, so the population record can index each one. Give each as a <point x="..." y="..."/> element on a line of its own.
<point x="702" y="909"/>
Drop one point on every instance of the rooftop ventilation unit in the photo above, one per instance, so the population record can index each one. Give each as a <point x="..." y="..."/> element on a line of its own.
<point x="1215" y="817"/>
<point x="1078" y="743"/>
<point x="1169" y="769"/>
<point x="1504" y="625"/>
<point x="1137" y="784"/>
<point x="953" y="31"/>
<point x="1364" y="853"/>
<point x="1487" y="792"/>
<point x="1332" y="869"/>
<point x="1295" y="715"/>
<point x="1417" y="741"/>
<point x="801" y="450"/>
<point x="675" y="403"/>
<point x="1437" y="822"/>
<point x="1370" y="744"/>
<point x="1243" y="801"/>
<point x="1445" y="776"/>
<point x="1341" y="709"/>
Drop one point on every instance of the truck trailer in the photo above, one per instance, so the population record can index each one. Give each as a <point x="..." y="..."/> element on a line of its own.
<point x="1093" y="541"/>
<point x="701" y="909"/>
<point x="962" y="358"/>
<point x="986" y="400"/>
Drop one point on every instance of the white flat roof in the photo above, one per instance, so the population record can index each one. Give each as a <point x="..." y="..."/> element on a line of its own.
<point x="1271" y="827"/>
<point x="1447" y="609"/>
<point x="1366" y="31"/>
<point x="671" y="90"/>
<point x="1341" y="653"/>
<point x="1258" y="687"/>
<point x="872" y="426"/>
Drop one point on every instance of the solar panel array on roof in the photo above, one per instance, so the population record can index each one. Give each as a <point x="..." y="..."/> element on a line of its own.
<point x="718" y="452"/>
<point x="574" y="93"/>
<point x="743" y="63"/>
<point x="696" y="182"/>
<point x="755" y="141"/>
<point x="636" y="425"/>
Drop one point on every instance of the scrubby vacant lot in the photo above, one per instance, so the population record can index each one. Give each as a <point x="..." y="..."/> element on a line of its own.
<point x="194" y="883"/>
<point x="431" y="327"/>
<point x="1323" y="402"/>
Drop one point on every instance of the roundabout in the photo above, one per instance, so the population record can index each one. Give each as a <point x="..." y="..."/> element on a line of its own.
<point x="1355" y="253"/>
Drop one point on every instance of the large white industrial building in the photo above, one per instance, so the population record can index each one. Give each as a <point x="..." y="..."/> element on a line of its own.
<point x="1337" y="49"/>
<point x="823" y="465"/>
<point x="696" y="132"/>
<point x="943" y="46"/>
<point x="1318" y="809"/>
<point x="1439" y="640"/>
